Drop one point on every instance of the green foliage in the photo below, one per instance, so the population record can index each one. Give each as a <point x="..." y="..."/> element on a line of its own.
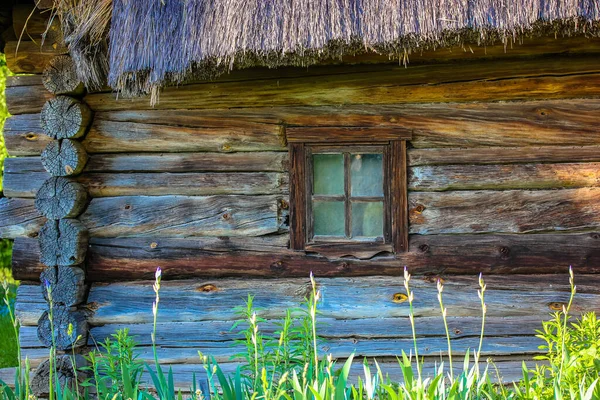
<point x="116" y="371"/>
<point x="287" y="366"/>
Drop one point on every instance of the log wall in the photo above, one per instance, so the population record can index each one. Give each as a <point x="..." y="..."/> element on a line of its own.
<point x="503" y="178"/>
<point x="525" y="173"/>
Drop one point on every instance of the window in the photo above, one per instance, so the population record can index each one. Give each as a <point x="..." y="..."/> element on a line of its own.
<point x="348" y="190"/>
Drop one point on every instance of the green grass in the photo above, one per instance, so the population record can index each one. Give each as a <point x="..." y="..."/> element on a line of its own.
<point x="8" y="348"/>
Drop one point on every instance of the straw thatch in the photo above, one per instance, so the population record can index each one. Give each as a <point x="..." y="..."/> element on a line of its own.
<point x="159" y="42"/>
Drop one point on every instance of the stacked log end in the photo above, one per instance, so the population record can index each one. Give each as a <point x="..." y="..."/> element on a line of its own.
<point x="63" y="239"/>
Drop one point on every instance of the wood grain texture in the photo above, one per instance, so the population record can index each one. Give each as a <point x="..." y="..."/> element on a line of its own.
<point x="60" y="77"/>
<point x="67" y="285"/>
<point x="190" y="162"/>
<point x="503" y="155"/>
<point x="59" y="197"/>
<point x="179" y="216"/>
<point x="29" y="57"/>
<point x="56" y="332"/>
<point x="207" y="301"/>
<point x="334" y="134"/>
<point x="153" y="174"/>
<point x="213" y="136"/>
<point x="298" y="198"/>
<point x="137" y="258"/>
<point x="558" y="127"/>
<point x="63" y="242"/>
<point x="23" y="135"/>
<point x="65" y="117"/>
<point x="461" y="82"/>
<point x="19" y="217"/>
<point x="190" y="184"/>
<point x="510" y="211"/>
<point x="456" y="254"/>
<point x="26" y="99"/>
<point x="399" y="196"/>
<point x="64" y="157"/>
<point x="499" y="177"/>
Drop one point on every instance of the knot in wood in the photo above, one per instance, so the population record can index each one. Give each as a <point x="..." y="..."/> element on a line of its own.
<point x="424" y="248"/>
<point x="31" y="137"/>
<point x="504" y="251"/>
<point x="283" y="204"/>
<point x="556" y="306"/>
<point x="277" y="265"/>
<point x="420" y="208"/>
<point x="153" y="245"/>
<point x="595" y="235"/>
<point x="207" y="288"/>
<point x="399" y="298"/>
<point x="457" y="331"/>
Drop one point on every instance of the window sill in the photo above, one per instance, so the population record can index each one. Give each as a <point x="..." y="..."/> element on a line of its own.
<point x="360" y="250"/>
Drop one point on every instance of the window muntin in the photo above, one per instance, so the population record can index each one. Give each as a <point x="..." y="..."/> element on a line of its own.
<point x="347" y="194"/>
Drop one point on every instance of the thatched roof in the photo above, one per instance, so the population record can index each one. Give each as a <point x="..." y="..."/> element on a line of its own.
<point x="157" y="42"/>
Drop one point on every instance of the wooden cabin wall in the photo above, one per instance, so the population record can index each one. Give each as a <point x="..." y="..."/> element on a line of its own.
<point x="503" y="178"/>
<point x="503" y="169"/>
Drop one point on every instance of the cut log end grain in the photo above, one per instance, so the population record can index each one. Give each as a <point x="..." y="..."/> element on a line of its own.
<point x="65" y="329"/>
<point x="67" y="285"/>
<point x="63" y="242"/>
<point x="60" y="77"/>
<point x="59" y="197"/>
<point x="64" y="117"/>
<point x="64" y="372"/>
<point x="64" y="157"/>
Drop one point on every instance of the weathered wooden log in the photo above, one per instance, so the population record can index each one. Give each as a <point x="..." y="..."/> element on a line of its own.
<point x="343" y="298"/>
<point x="19" y="217"/>
<point x="137" y="258"/>
<point x="270" y="161"/>
<point x="179" y="216"/>
<point x="26" y="99"/>
<point x="64" y="117"/>
<point x="63" y="328"/>
<point x="27" y="260"/>
<point x="499" y="177"/>
<point x="23" y="177"/>
<point x="31" y="24"/>
<point x="63" y="242"/>
<point x="510" y="211"/>
<point x="60" y="198"/>
<point x="503" y="155"/>
<point x="67" y="285"/>
<point x="460" y="82"/>
<point x="23" y="135"/>
<point x="215" y="136"/>
<point x="192" y="301"/>
<point x="64" y="157"/>
<point x="64" y="372"/>
<point x="30" y="57"/>
<point x="60" y="77"/>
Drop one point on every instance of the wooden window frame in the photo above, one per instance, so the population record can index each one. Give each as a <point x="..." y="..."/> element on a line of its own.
<point x="393" y="141"/>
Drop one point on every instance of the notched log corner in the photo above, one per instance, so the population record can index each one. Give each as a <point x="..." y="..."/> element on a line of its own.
<point x="67" y="285"/>
<point x="64" y="117"/>
<point x="59" y="197"/>
<point x="70" y="328"/>
<point x="65" y="373"/>
<point x="64" y="157"/>
<point x="60" y="77"/>
<point x="63" y="242"/>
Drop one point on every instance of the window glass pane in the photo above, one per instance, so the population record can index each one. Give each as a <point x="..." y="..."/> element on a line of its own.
<point x="328" y="174"/>
<point x="367" y="174"/>
<point x="329" y="218"/>
<point x="367" y="219"/>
